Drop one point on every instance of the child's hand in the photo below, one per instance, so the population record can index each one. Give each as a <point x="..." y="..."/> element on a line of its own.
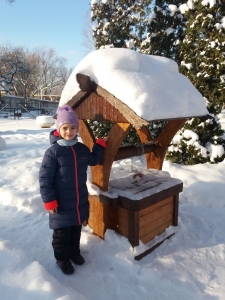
<point x="53" y="211"/>
<point x="105" y="139"/>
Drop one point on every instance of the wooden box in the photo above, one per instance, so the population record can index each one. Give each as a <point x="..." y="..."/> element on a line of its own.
<point x="141" y="219"/>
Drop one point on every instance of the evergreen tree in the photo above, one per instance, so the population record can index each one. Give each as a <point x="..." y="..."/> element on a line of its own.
<point x="111" y="28"/>
<point x="203" y="50"/>
<point x="120" y="23"/>
<point x="203" y="62"/>
<point x="165" y="30"/>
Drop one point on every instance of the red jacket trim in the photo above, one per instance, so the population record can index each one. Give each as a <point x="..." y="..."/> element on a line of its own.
<point x="101" y="142"/>
<point x="76" y="185"/>
<point x="56" y="133"/>
<point x="51" y="205"/>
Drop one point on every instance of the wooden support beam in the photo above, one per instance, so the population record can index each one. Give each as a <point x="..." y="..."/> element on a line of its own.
<point x="175" y="211"/>
<point x="133" y="229"/>
<point x="145" y="137"/>
<point x="101" y="173"/>
<point x="134" y="150"/>
<point x="164" y="140"/>
<point x="86" y="134"/>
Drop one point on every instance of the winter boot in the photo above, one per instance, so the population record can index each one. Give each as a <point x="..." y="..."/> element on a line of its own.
<point x="66" y="266"/>
<point x="78" y="259"/>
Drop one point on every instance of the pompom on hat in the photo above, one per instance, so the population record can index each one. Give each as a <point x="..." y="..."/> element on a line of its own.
<point x="65" y="114"/>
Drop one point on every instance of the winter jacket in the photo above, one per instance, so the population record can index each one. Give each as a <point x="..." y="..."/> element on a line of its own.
<point x="62" y="178"/>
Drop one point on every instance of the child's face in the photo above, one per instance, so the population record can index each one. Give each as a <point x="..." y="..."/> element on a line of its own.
<point x="68" y="131"/>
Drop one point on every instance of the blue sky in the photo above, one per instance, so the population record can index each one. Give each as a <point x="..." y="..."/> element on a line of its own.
<point x="56" y="24"/>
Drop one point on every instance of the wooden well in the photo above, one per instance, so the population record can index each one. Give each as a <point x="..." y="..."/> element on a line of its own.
<point x="137" y="220"/>
<point x="142" y="219"/>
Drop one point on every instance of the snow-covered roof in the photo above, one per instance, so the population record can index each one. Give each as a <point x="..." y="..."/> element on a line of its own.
<point x="149" y="85"/>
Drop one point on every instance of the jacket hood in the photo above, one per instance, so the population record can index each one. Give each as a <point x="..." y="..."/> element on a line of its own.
<point x="54" y="136"/>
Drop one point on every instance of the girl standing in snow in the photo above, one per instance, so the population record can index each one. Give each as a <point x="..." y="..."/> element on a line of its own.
<point x="62" y="177"/>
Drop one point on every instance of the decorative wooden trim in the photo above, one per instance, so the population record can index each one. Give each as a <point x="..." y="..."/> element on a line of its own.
<point x="96" y="108"/>
<point x="130" y="115"/>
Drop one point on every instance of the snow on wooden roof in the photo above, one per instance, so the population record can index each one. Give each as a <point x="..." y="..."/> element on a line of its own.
<point x="123" y="85"/>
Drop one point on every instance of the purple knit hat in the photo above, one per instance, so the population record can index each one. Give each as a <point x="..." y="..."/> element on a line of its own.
<point x="65" y="114"/>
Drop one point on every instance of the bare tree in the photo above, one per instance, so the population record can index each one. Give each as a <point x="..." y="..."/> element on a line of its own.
<point x="11" y="64"/>
<point x="39" y="72"/>
<point x="51" y="74"/>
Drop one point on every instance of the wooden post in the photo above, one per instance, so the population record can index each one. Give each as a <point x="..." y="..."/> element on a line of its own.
<point x="133" y="229"/>
<point x="156" y="159"/>
<point x="175" y="210"/>
<point x="86" y="134"/>
<point x="145" y="136"/>
<point x="101" y="173"/>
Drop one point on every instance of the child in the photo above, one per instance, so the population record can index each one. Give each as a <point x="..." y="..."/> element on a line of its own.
<point x="62" y="178"/>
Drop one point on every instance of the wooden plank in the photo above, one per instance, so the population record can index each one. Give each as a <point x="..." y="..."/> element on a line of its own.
<point x="101" y="173"/>
<point x="123" y="213"/>
<point x="151" y="208"/>
<point x="175" y="212"/>
<point x="128" y="113"/>
<point x="150" y="236"/>
<point x="95" y="220"/>
<point x="140" y="256"/>
<point x="150" y="227"/>
<point x="86" y="134"/>
<point x="133" y="150"/>
<point x="96" y="108"/>
<point x="145" y="137"/>
<point x="156" y="159"/>
<point x="133" y="230"/>
<point x="117" y="218"/>
<point x="139" y="205"/>
<point x="104" y="109"/>
<point x="93" y="106"/>
<point x="117" y="227"/>
<point x="93" y="197"/>
<point x="156" y="214"/>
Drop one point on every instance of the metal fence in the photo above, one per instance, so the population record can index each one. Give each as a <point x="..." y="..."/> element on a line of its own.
<point x="33" y="107"/>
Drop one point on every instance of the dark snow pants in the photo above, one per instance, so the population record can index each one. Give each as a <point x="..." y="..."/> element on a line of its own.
<point x="66" y="242"/>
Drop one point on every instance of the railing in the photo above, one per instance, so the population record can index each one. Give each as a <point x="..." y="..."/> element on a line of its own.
<point x="34" y="107"/>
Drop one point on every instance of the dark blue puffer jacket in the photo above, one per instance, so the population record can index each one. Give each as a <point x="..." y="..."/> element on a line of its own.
<point x="62" y="178"/>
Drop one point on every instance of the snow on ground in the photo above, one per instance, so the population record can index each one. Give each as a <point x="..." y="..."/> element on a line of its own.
<point x="190" y="265"/>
